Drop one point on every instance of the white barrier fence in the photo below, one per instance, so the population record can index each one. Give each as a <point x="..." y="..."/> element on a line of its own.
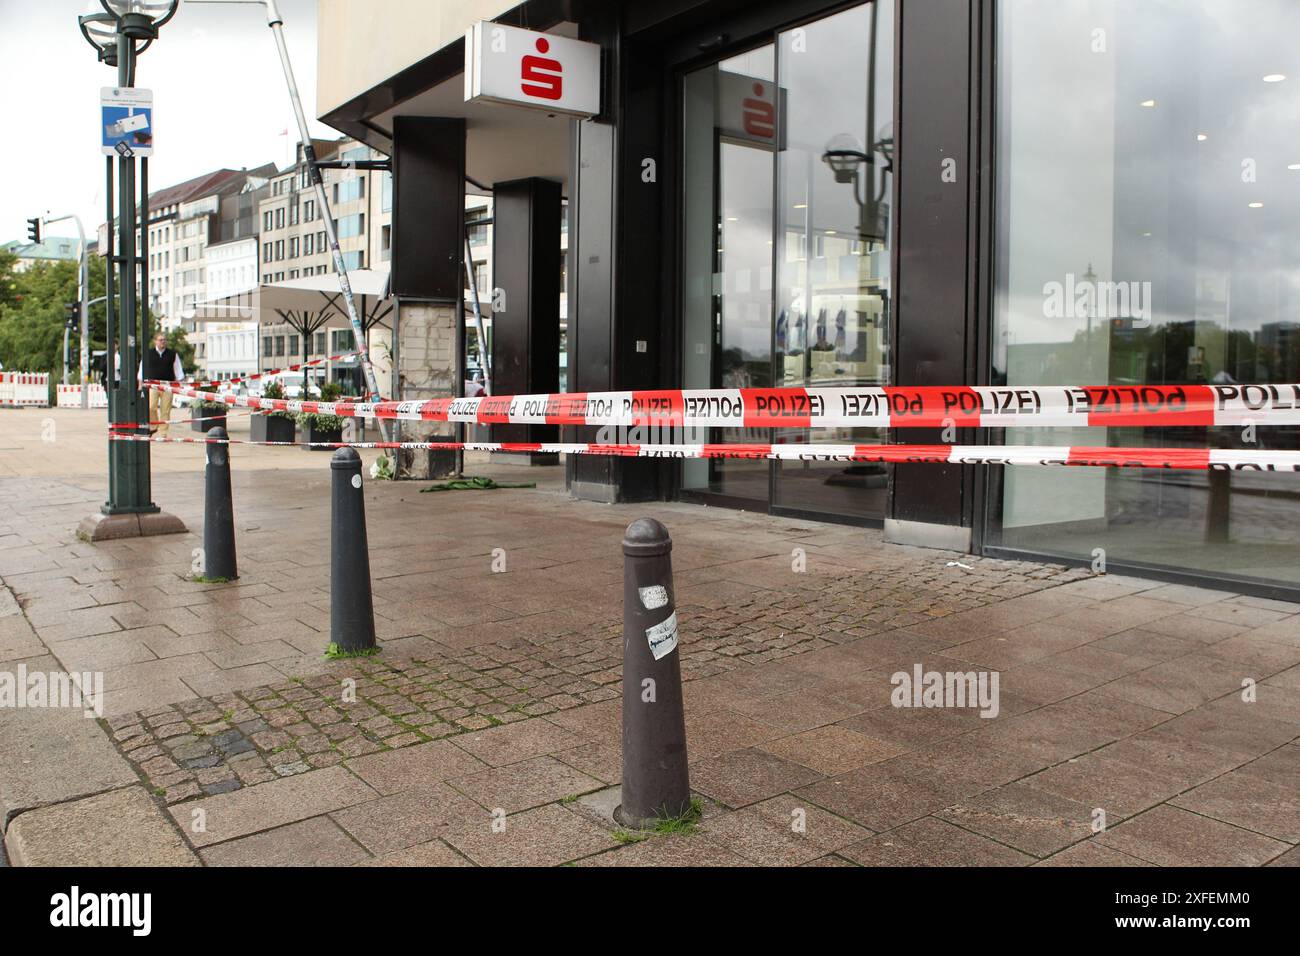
<point x="25" y="389"/>
<point x="69" y="396"/>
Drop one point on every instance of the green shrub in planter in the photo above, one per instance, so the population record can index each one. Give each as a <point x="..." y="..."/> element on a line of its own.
<point x="272" y="426"/>
<point x="211" y="413"/>
<point x="323" y="428"/>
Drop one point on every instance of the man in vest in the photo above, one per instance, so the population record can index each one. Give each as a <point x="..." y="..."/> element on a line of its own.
<point x="160" y="364"/>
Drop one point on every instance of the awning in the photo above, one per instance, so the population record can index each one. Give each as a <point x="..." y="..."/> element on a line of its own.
<point x="318" y="297"/>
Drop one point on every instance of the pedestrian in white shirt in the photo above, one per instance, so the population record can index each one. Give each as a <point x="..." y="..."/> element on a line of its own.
<point x="160" y="364"/>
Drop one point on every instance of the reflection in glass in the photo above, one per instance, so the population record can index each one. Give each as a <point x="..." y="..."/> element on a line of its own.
<point x="1160" y="246"/>
<point x="730" y="132"/>
<point x="834" y="174"/>
<point x="808" y="118"/>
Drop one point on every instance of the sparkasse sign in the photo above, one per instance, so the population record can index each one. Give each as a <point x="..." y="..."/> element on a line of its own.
<point x="524" y="68"/>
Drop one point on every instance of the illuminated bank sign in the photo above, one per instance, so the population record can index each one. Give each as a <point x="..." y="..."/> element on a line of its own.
<point x="524" y="68"/>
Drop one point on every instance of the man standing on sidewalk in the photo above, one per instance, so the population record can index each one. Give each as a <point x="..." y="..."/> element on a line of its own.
<point x="160" y="364"/>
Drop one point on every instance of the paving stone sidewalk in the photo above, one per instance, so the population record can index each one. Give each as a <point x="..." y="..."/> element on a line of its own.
<point x="218" y="744"/>
<point x="487" y="731"/>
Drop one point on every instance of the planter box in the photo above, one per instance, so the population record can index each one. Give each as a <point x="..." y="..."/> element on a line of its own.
<point x="208" y="423"/>
<point x="313" y="434"/>
<point x="263" y="427"/>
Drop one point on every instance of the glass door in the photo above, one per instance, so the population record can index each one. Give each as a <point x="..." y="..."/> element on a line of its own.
<point x="787" y="186"/>
<point x="835" y="184"/>
<point x="730" y="113"/>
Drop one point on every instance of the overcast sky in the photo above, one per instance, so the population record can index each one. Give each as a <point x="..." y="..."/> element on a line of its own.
<point x="219" y="100"/>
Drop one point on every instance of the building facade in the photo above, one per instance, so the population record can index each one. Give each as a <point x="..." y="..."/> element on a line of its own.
<point x="232" y="280"/>
<point x="49" y="249"/>
<point x="797" y="191"/>
<point x="294" y="244"/>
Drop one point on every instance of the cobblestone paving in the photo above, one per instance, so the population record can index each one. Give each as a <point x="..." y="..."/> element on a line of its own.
<point x="220" y="743"/>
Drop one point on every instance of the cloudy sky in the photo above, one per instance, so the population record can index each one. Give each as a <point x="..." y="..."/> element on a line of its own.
<point x="219" y="100"/>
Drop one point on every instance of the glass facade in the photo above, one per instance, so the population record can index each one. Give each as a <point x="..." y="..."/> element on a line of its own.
<point x="787" y="179"/>
<point x="1147" y="201"/>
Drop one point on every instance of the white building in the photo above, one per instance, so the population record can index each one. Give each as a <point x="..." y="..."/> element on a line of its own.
<point x="232" y="276"/>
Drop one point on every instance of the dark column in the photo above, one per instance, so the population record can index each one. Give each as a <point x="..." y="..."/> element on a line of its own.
<point x="526" y="274"/>
<point x="936" y="340"/>
<point x="622" y="330"/>
<point x="428" y="276"/>
<point x="428" y="207"/>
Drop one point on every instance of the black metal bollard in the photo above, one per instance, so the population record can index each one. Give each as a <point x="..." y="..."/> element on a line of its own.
<point x="352" y="610"/>
<point x="656" y="784"/>
<point x="218" y="512"/>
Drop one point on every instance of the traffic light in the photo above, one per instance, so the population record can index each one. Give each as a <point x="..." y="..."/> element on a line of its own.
<point x="71" y="314"/>
<point x="34" y="230"/>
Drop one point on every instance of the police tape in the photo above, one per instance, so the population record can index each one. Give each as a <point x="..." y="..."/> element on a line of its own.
<point x="835" y="407"/>
<point x="1170" y="458"/>
<point x="154" y="383"/>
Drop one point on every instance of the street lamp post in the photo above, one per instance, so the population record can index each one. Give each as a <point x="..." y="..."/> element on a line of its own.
<point x="122" y="32"/>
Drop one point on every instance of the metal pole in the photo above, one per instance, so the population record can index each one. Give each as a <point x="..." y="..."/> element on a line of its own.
<point x="352" y="612"/>
<point x="110" y="368"/>
<point x="146" y="318"/>
<point x="128" y="461"/>
<point x="219" y="561"/>
<point x="656" y="781"/>
<point x="483" y="356"/>
<point x="395" y="382"/>
<point x="83" y="294"/>
<point x="276" y="23"/>
<point x="84" y="282"/>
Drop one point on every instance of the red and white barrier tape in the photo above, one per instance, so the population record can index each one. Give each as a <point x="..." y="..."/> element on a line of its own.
<point x="1174" y="458"/>
<point x="837" y="407"/>
<point x="222" y="382"/>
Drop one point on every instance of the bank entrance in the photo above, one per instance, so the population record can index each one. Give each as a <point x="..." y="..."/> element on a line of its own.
<point x="786" y="160"/>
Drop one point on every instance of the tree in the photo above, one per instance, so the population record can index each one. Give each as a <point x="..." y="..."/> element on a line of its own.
<point x="31" y="325"/>
<point x="32" y="314"/>
<point x="8" y="278"/>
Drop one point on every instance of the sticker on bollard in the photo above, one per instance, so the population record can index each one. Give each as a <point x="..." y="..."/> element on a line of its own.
<point x="655" y="596"/>
<point x="218" y="514"/>
<point x="656" y="784"/>
<point x="352" y="610"/>
<point x="663" y="637"/>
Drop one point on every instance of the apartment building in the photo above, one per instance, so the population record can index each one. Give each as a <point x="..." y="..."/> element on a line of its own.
<point x="231" y="329"/>
<point x="292" y="233"/>
<point x="293" y="241"/>
<point x="181" y="223"/>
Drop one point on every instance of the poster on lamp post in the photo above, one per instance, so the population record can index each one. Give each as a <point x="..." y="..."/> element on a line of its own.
<point x="126" y="121"/>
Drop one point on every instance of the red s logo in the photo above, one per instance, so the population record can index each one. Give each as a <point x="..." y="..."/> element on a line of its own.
<point x="759" y="116"/>
<point x="541" y="75"/>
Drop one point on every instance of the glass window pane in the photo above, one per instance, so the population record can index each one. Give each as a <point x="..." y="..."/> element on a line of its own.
<point x="1148" y="190"/>
<point x="729" y="136"/>
<point x="835" y="179"/>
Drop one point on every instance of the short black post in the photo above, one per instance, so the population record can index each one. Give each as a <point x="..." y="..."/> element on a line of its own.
<point x="656" y="784"/>
<point x="352" y="610"/>
<point x="218" y="512"/>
